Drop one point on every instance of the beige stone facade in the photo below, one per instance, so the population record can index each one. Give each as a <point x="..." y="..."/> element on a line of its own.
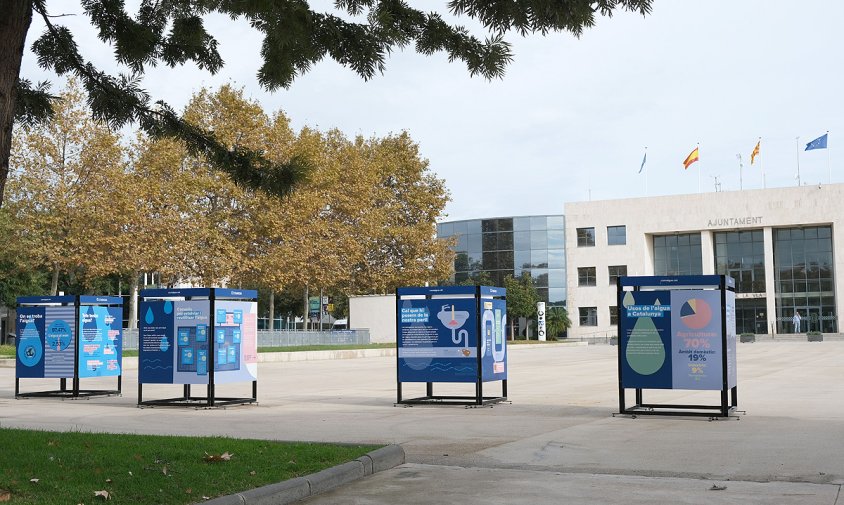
<point x="704" y="214"/>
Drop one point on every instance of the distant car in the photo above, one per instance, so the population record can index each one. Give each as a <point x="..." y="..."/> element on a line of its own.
<point x="341" y="324"/>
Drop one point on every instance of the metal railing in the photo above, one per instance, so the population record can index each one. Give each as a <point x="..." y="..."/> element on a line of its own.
<point x="283" y="338"/>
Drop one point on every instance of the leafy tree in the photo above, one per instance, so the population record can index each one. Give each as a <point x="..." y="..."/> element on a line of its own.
<point x="521" y="299"/>
<point x="171" y="32"/>
<point x="17" y="276"/>
<point x="60" y="187"/>
<point x="398" y="235"/>
<point x="557" y="321"/>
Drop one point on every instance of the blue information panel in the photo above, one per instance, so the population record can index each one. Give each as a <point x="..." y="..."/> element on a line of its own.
<point x="101" y="346"/>
<point x="46" y="342"/>
<point x="672" y="339"/>
<point x="438" y="340"/>
<point x="441" y="338"/>
<point x="178" y="339"/>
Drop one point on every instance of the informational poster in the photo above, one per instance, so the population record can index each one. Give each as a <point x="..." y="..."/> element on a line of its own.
<point x="696" y="339"/>
<point x="46" y="338"/>
<point x="179" y="340"/>
<point x="236" y="341"/>
<point x="730" y="311"/>
<point x="438" y="340"/>
<point x="645" y="340"/>
<point x="100" y="341"/>
<point x="672" y="339"/>
<point x="494" y="342"/>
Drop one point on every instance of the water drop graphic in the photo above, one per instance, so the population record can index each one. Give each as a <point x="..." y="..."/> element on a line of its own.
<point x="149" y="318"/>
<point x="165" y="344"/>
<point x="645" y="350"/>
<point x="168" y="307"/>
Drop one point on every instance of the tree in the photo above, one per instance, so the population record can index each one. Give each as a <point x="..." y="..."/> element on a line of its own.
<point x="521" y="299"/>
<point x="60" y="189"/>
<point x="398" y="235"/>
<point x="557" y="321"/>
<point x="171" y="32"/>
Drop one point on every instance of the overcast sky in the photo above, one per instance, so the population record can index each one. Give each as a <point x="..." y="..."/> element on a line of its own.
<point x="572" y="117"/>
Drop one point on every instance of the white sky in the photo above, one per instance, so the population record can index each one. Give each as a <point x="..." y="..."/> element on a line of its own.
<point x="571" y="118"/>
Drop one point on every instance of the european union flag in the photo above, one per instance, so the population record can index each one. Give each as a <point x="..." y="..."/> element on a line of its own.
<point x="818" y="143"/>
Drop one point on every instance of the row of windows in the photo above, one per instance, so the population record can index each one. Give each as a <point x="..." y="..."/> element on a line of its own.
<point x="586" y="275"/>
<point x="501" y="260"/>
<point x="509" y="224"/>
<point x="616" y="235"/>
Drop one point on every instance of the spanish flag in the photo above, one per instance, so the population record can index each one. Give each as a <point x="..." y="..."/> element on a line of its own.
<point x="691" y="158"/>
<point x="755" y="152"/>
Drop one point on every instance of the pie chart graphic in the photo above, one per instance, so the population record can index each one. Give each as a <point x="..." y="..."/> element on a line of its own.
<point x="695" y="313"/>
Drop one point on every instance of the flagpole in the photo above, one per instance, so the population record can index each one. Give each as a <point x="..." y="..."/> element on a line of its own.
<point x="828" y="169"/>
<point x="740" y="178"/>
<point x="761" y="166"/>
<point x="646" y="172"/>
<point x="798" y="159"/>
<point x="699" y="169"/>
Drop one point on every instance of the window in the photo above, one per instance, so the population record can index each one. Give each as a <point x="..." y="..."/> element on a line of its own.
<point x="616" y="235"/>
<point x="614" y="315"/>
<point x="741" y="255"/>
<point x="588" y="316"/>
<point x="586" y="237"/>
<point x="677" y="254"/>
<point x="586" y="276"/>
<point x="616" y="272"/>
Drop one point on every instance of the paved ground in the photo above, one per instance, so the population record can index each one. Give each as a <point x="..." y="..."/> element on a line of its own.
<point x="557" y="442"/>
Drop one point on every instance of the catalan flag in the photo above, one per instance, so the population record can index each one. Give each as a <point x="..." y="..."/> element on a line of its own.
<point x="691" y="158"/>
<point x="755" y="152"/>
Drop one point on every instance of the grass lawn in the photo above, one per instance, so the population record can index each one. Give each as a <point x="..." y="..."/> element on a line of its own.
<point x="41" y="467"/>
<point x="7" y="350"/>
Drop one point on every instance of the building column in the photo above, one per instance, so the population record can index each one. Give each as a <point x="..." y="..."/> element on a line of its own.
<point x="707" y="253"/>
<point x="770" y="285"/>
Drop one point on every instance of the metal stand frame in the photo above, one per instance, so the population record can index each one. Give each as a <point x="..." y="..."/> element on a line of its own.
<point x="728" y="396"/>
<point x="478" y="400"/>
<point x="75" y="392"/>
<point x="210" y="400"/>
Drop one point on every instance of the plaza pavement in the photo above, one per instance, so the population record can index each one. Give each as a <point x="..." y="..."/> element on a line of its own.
<point x="556" y="443"/>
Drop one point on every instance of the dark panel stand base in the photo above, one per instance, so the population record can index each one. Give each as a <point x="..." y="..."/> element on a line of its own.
<point x="198" y="402"/>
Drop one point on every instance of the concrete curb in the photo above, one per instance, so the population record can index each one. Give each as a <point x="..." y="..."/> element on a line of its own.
<point x="293" y="490"/>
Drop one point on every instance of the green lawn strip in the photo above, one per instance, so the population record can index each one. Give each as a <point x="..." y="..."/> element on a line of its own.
<point x="70" y="467"/>
<point x="7" y="350"/>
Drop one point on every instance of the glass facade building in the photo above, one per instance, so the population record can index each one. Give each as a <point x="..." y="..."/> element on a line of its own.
<point x="512" y="246"/>
<point x="804" y="276"/>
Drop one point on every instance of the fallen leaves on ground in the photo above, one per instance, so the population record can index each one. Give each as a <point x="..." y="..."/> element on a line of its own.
<point x="34" y="481"/>
<point x="5" y="495"/>
<point x="215" y="458"/>
<point x="102" y="494"/>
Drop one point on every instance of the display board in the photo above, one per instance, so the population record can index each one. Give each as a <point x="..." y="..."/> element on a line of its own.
<point x="101" y="340"/>
<point x="672" y="339"/>
<point x="69" y="337"/>
<point x="46" y="338"/>
<point x="677" y="333"/>
<point x="177" y="338"/>
<point x="451" y="334"/>
<point x="204" y="336"/>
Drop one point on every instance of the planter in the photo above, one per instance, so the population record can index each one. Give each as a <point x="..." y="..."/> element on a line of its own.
<point x="747" y="337"/>
<point x="814" y="336"/>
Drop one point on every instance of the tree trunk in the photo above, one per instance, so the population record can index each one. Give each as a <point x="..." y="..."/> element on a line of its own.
<point x="15" y="17"/>
<point x="133" y="301"/>
<point x="272" y="308"/>
<point x="305" y="317"/>
<point x="54" y="286"/>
